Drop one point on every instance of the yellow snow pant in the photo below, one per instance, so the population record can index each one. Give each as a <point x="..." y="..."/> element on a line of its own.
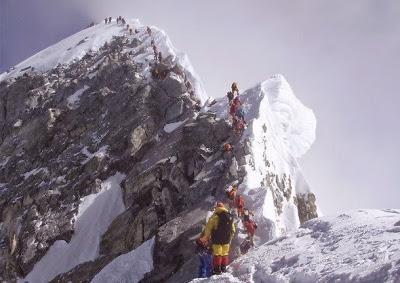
<point x="220" y="250"/>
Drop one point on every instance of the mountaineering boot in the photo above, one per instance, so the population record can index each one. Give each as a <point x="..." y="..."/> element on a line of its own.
<point x="217" y="264"/>
<point x="217" y="270"/>
<point x="224" y="263"/>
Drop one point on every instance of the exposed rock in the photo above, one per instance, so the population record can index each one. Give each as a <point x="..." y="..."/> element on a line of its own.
<point x="173" y="85"/>
<point x="306" y="206"/>
<point x="85" y="271"/>
<point x="174" y="111"/>
<point x="175" y="247"/>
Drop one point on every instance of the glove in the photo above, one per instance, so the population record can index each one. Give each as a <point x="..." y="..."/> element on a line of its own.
<point x="202" y="242"/>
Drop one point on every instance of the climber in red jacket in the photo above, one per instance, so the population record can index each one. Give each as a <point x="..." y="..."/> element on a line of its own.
<point x="234" y="106"/>
<point x="239" y="201"/>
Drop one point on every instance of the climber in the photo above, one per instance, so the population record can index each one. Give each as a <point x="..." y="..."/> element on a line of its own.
<point x="220" y="230"/>
<point x="246" y="215"/>
<point x="105" y="20"/>
<point x="136" y="30"/>
<point x="231" y="192"/>
<point x="149" y="30"/>
<point x="118" y="20"/>
<point x="238" y="125"/>
<point x="251" y="227"/>
<point x="155" y="52"/>
<point x="230" y="96"/>
<point x="205" y="258"/>
<point x="130" y="31"/>
<point x="240" y="113"/>
<point x="235" y="104"/>
<point x="123" y="22"/>
<point x="159" y="56"/>
<point x="127" y="27"/>
<point x="109" y="20"/>
<point x="239" y="202"/>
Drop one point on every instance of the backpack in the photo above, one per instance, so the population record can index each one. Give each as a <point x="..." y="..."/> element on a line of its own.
<point x="230" y="96"/>
<point x="222" y="235"/>
<point x="240" y="112"/>
<point x="245" y="246"/>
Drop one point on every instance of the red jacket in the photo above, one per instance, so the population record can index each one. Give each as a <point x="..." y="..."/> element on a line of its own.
<point x="240" y="202"/>
<point x="251" y="227"/>
<point x="235" y="105"/>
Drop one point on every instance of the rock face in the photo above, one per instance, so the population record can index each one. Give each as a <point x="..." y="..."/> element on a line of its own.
<point x="67" y="129"/>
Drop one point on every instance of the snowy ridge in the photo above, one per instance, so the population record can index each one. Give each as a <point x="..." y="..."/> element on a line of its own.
<point x="280" y="130"/>
<point x="356" y="246"/>
<point x="89" y="40"/>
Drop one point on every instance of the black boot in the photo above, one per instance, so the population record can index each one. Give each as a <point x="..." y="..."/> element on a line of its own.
<point x="223" y="268"/>
<point x="217" y="270"/>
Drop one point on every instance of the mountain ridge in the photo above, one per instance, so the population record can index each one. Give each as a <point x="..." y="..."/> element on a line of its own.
<point x="117" y="113"/>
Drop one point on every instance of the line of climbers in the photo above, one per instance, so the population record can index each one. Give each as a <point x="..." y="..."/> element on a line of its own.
<point x="120" y="20"/>
<point x="236" y="110"/>
<point x="214" y="244"/>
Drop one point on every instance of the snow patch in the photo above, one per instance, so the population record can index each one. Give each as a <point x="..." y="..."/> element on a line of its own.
<point x="129" y="267"/>
<point x="18" y="123"/>
<point x="73" y="100"/>
<point x="95" y="214"/>
<point x="33" y="172"/>
<point x="101" y="153"/>
<point x="169" y="128"/>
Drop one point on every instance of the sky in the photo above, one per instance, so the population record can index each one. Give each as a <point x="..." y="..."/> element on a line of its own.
<point x="342" y="59"/>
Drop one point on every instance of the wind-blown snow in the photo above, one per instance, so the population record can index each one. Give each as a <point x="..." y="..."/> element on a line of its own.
<point x="130" y="267"/>
<point x="280" y="130"/>
<point x="358" y="246"/>
<point x="95" y="214"/>
<point x="75" y="47"/>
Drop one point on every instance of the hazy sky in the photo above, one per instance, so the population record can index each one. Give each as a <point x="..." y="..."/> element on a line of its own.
<point x="342" y="59"/>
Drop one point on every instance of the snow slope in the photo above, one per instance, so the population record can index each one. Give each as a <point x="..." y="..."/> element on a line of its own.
<point x="73" y="49"/>
<point x="95" y="214"/>
<point x="358" y="246"/>
<point x="130" y="267"/>
<point x="280" y="130"/>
